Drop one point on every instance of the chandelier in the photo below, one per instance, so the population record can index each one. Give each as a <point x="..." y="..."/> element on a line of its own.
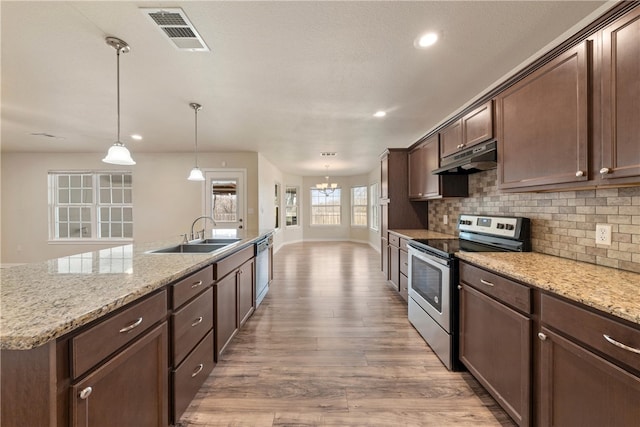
<point x="327" y="188"/>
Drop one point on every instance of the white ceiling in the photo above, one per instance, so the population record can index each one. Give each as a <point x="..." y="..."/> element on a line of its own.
<point x="287" y="79"/>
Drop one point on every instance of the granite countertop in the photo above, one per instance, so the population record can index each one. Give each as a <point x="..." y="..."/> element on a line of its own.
<point x="40" y="302"/>
<point x="610" y="290"/>
<point x="422" y="234"/>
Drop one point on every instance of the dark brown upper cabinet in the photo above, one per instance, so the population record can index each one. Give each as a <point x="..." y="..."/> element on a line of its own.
<point x="620" y="159"/>
<point x="422" y="184"/>
<point x="471" y="129"/>
<point x="542" y="124"/>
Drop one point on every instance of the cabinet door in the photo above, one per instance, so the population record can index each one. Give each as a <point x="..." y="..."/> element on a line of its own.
<point x="620" y="98"/>
<point x="384" y="258"/>
<point x="579" y="388"/>
<point x="451" y="139"/>
<point x="495" y="345"/>
<point x="430" y="161"/>
<point x="541" y="124"/>
<point x="477" y="126"/>
<point x="416" y="172"/>
<point x="226" y="318"/>
<point x="131" y="389"/>
<point x="394" y="266"/>
<point x="246" y="291"/>
<point x="384" y="176"/>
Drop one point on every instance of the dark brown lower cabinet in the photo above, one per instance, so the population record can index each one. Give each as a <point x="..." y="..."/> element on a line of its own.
<point x="130" y="389"/>
<point x="580" y="388"/>
<point x="495" y="345"/>
<point x="226" y="319"/>
<point x="246" y="291"/>
<point x="191" y="373"/>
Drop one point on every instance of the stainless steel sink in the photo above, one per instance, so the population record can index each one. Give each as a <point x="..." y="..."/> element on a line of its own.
<point x="187" y="248"/>
<point x="226" y="241"/>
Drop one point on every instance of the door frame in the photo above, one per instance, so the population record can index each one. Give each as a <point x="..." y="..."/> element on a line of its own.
<point x="241" y="191"/>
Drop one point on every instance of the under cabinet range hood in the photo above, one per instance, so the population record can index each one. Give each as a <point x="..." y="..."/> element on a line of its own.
<point x="478" y="158"/>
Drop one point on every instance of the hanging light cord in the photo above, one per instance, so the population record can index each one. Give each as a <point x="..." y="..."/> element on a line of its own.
<point x="118" y="89"/>
<point x="196" y="135"/>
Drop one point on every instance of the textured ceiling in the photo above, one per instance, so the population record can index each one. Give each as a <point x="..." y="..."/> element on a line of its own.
<point x="287" y="79"/>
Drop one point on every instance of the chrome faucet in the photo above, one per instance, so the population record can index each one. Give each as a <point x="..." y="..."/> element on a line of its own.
<point x="196" y="220"/>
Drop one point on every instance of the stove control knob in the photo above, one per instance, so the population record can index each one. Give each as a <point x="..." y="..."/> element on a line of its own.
<point x="509" y="227"/>
<point x="500" y="226"/>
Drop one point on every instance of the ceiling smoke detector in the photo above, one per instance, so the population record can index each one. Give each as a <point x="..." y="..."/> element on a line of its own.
<point x="175" y="25"/>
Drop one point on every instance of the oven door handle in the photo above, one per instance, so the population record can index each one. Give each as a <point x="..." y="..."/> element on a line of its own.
<point x="427" y="257"/>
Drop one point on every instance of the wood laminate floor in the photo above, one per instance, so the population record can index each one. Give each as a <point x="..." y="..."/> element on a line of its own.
<point x="331" y="346"/>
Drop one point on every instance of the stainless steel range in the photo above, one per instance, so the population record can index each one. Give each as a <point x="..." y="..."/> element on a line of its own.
<point x="433" y="276"/>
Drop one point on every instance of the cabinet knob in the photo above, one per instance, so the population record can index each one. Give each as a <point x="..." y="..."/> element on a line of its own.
<point x="85" y="393"/>
<point x="580" y="173"/>
<point x="605" y="171"/>
<point x="542" y="336"/>
<point x="460" y="287"/>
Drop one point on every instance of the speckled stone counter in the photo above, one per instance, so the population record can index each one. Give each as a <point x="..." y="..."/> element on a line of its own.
<point x="422" y="234"/>
<point x="613" y="291"/>
<point x="40" y="302"/>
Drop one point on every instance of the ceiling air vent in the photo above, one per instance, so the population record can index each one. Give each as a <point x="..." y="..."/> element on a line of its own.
<point x="174" y="24"/>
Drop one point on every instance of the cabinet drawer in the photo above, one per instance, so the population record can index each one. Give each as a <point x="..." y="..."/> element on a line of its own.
<point x="190" y="324"/>
<point x="394" y="240"/>
<point x="191" y="286"/>
<point x="403" y="243"/>
<point x="190" y="375"/>
<point x="511" y="293"/>
<point x="404" y="263"/>
<point x="404" y="287"/>
<point x="591" y="328"/>
<point x="230" y="263"/>
<point x="96" y="343"/>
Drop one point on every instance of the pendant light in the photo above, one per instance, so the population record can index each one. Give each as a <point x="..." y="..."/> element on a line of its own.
<point x="118" y="153"/>
<point x="196" y="173"/>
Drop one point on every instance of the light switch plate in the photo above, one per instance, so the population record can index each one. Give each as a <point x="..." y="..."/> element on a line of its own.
<point x="603" y="234"/>
<point x="445" y="219"/>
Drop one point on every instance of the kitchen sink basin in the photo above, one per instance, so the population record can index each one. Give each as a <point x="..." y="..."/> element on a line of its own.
<point x="226" y="241"/>
<point x="188" y="248"/>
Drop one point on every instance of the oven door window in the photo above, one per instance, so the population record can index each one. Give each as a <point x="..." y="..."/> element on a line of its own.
<point x="427" y="281"/>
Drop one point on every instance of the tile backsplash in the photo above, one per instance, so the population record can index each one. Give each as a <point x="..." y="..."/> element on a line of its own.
<point x="562" y="223"/>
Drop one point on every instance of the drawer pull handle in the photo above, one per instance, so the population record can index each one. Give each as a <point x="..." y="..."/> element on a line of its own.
<point x="197" y="321"/>
<point x="605" y="171"/>
<point x="196" y="284"/>
<point x="85" y="393"/>
<point x="131" y="326"/>
<point x="196" y="371"/>
<point x="542" y="336"/>
<point x="619" y="344"/>
<point x="484" y="282"/>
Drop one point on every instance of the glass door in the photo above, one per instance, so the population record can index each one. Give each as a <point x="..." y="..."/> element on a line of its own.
<point x="225" y="198"/>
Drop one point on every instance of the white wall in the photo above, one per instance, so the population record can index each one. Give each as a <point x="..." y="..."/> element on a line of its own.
<point x="268" y="177"/>
<point x="294" y="233"/>
<point x="165" y="203"/>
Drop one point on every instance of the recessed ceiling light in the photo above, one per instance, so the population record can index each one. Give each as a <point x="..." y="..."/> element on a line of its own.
<point x="425" y="40"/>
<point x="380" y="114"/>
<point x="136" y="137"/>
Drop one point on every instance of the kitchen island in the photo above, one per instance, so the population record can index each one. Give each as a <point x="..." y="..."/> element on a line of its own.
<point x="69" y="321"/>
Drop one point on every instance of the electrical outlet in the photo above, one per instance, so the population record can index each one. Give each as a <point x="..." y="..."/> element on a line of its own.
<point x="603" y="234"/>
<point x="445" y="219"/>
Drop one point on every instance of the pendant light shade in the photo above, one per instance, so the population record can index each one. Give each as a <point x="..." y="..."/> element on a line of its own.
<point x="196" y="173"/>
<point x="118" y="153"/>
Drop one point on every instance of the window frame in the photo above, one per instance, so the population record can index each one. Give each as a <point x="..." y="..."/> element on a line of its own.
<point x="374" y="213"/>
<point x="295" y="206"/>
<point x="315" y="194"/>
<point x="94" y="207"/>
<point x="364" y="206"/>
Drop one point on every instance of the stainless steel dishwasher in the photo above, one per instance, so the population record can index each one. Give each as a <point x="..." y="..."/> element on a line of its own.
<point x="262" y="269"/>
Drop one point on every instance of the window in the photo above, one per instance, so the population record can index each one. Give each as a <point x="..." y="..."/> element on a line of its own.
<point x="291" y="206"/>
<point x="90" y="206"/>
<point x="325" y="207"/>
<point x="359" y="206"/>
<point x="373" y="206"/>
